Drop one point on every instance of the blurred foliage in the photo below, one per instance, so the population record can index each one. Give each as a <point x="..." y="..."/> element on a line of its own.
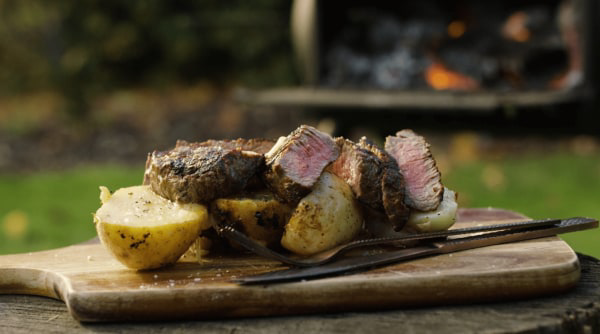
<point x="86" y="48"/>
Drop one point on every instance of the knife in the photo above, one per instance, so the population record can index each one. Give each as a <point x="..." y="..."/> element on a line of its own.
<point x="357" y="263"/>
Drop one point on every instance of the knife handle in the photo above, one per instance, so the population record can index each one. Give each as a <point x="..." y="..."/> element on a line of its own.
<point x="346" y="265"/>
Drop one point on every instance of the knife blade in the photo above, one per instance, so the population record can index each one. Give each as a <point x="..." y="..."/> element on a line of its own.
<point x="355" y="264"/>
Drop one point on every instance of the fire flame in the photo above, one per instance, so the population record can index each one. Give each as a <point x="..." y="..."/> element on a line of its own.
<point x="440" y="77"/>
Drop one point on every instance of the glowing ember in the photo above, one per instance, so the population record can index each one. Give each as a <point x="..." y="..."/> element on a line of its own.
<point x="456" y="29"/>
<point x="440" y="77"/>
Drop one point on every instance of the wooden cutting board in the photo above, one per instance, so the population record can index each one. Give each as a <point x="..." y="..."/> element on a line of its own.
<point x="95" y="287"/>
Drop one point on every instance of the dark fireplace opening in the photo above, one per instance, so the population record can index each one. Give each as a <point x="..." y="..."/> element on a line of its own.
<point x="495" y="58"/>
<point x="450" y="45"/>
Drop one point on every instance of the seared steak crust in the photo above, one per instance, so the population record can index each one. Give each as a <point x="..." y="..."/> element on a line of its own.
<point x="198" y="174"/>
<point x="361" y="169"/>
<point x="392" y="186"/>
<point x="374" y="178"/>
<point x="260" y="146"/>
<point x="424" y="188"/>
<point x="296" y="162"/>
<point x="392" y="191"/>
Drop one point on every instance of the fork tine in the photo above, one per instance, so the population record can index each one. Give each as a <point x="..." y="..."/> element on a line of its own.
<point x="231" y="233"/>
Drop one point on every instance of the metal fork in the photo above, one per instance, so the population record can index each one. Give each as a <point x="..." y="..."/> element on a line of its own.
<point x="233" y="234"/>
<point x="356" y="264"/>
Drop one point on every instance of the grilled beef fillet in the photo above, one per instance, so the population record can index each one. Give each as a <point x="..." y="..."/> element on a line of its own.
<point x="424" y="188"/>
<point x="374" y="178"/>
<point x="362" y="170"/>
<point x="392" y="186"/>
<point x="260" y="146"/>
<point x="296" y="162"/>
<point x="198" y="174"/>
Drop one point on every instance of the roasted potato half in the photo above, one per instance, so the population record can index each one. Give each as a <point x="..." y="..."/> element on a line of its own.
<point x="259" y="215"/>
<point x="326" y="217"/>
<point x="145" y="231"/>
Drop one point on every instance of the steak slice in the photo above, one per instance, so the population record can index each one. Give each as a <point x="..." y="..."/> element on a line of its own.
<point x="198" y="174"/>
<point x="362" y="171"/>
<point x="424" y="188"/>
<point x="296" y="162"/>
<point x="392" y="186"/>
<point x="260" y="146"/>
<point x="374" y="178"/>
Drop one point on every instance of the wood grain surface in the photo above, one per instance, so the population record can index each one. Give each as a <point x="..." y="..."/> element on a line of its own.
<point x="95" y="287"/>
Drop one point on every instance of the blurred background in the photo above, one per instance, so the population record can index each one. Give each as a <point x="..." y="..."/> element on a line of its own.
<point x="505" y="92"/>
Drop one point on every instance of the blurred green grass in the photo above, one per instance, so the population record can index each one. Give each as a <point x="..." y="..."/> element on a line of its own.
<point x="46" y="210"/>
<point x="52" y="209"/>
<point x="556" y="185"/>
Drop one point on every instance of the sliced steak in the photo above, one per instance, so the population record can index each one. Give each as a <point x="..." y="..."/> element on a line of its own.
<point x="392" y="186"/>
<point x="374" y="178"/>
<point x="424" y="188"/>
<point x="296" y="162"/>
<point x="260" y="146"/>
<point x="362" y="170"/>
<point x="198" y="174"/>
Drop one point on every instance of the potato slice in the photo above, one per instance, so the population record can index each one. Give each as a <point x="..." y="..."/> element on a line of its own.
<point x="439" y="219"/>
<point x="326" y="217"/>
<point x="259" y="215"/>
<point x="145" y="231"/>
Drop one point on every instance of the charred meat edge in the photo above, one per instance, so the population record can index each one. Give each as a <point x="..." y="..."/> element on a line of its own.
<point x="295" y="163"/>
<point x="393" y="186"/>
<point x="200" y="174"/>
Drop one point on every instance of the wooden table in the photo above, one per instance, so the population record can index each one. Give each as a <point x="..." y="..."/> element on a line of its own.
<point x="575" y="312"/>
